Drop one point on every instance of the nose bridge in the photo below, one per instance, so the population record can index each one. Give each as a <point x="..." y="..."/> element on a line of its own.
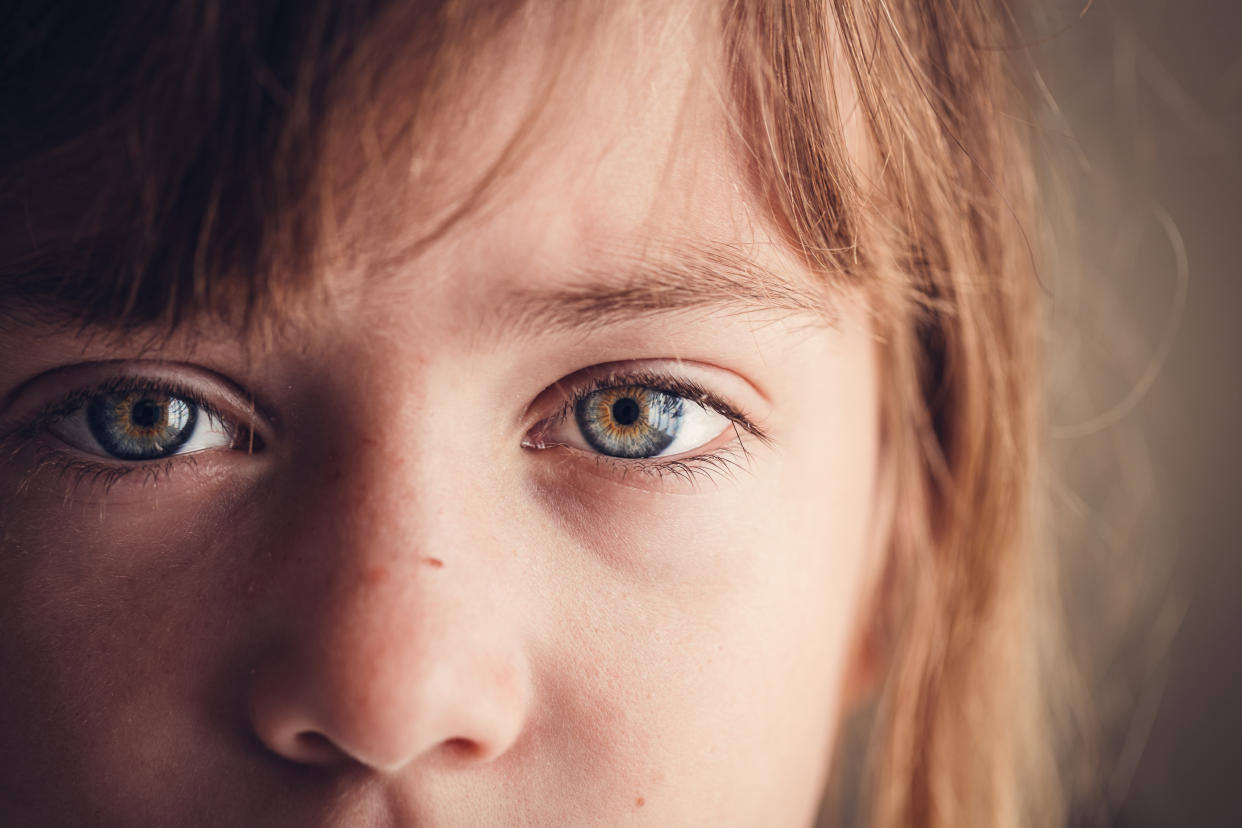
<point x="397" y="646"/>
<point x="388" y="475"/>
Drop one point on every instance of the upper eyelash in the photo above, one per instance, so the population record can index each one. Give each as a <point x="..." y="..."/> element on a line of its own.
<point x="74" y="401"/>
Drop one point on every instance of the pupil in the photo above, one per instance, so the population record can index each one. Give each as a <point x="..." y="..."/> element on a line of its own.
<point x="147" y="413"/>
<point x="625" y="411"/>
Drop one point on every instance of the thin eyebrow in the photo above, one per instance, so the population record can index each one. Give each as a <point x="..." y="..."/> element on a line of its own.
<point x="721" y="278"/>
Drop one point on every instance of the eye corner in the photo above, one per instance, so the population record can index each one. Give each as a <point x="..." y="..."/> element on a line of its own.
<point x="247" y="438"/>
<point x="538" y="437"/>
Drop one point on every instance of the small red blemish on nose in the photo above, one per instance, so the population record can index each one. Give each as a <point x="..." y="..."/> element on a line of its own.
<point x="640" y="802"/>
<point x="434" y="563"/>
<point x="375" y="575"/>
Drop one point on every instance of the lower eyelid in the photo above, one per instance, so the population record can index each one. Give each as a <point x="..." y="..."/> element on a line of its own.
<point x="720" y="457"/>
<point x="685" y="474"/>
<point x="65" y="472"/>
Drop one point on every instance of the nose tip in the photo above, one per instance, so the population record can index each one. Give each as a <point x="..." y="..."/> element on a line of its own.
<point x="381" y="647"/>
<point x="386" y="712"/>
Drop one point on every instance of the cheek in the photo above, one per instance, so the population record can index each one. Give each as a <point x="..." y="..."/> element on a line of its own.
<point x="114" y="621"/>
<point x="710" y="631"/>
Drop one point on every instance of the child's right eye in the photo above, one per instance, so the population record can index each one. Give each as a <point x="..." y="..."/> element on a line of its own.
<point x="138" y="425"/>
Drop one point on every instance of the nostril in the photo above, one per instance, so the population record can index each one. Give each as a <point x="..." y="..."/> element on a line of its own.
<point x="312" y="747"/>
<point x="464" y="748"/>
<point x="381" y="700"/>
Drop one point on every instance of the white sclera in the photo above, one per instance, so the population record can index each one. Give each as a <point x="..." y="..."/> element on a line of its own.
<point x="699" y="426"/>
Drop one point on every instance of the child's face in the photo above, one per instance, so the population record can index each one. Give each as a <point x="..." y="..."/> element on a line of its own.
<point x="427" y="597"/>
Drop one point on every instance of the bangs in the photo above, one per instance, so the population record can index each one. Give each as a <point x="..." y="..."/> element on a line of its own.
<point x="165" y="160"/>
<point x="193" y="158"/>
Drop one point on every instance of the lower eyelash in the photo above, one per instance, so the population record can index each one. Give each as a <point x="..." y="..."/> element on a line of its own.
<point x="77" y="471"/>
<point x="709" y="466"/>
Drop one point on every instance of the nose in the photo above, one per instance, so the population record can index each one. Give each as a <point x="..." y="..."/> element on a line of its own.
<point x="395" y="653"/>
<point x="384" y="695"/>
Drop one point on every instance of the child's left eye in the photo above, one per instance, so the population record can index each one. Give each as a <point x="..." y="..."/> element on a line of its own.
<point x="638" y="421"/>
<point x="140" y="425"/>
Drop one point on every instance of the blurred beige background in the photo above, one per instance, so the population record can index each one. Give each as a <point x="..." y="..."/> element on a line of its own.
<point x="1146" y="331"/>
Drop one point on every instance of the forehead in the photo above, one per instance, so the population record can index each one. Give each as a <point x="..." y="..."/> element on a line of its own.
<point x="556" y="145"/>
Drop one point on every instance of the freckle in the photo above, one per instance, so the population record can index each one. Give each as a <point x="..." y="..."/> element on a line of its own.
<point x="434" y="563"/>
<point x="640" y="802"/>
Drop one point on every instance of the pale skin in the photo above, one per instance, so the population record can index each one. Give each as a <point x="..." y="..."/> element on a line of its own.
<point x="424" y="599"/>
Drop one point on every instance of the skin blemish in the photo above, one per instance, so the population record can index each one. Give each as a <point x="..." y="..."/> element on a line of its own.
<point x="640" y="802"/>
<point x="434" y="563"/>
<point x="376" y="575"/>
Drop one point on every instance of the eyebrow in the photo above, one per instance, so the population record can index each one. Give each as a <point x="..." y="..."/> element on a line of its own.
<point x="716" y="278"/>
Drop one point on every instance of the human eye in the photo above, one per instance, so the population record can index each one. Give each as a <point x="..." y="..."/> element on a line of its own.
<point x="106" y="427"/>
<point x="653" y="421"/>
<point x="140" y="424"/>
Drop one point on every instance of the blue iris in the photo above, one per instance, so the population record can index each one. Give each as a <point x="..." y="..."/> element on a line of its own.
<point x="630" y="421"/>
<point x="143" y="425"/>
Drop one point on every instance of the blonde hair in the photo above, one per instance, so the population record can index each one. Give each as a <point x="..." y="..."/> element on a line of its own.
<point x="214" y="187"/>
<point x="936" y="236"/>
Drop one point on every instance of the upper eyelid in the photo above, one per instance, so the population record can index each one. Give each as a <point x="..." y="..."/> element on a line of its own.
<point x="215" y="394"/>
<point x="661" y="370"/>
<point x="659" y="381"/>
<point x="78" y="399"/>
<point x="682" y="387"/>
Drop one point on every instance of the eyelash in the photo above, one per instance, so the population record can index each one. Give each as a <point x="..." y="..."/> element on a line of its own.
<point x="704" y="466"/>
<point x="70" y="464"/>
<point x="78" y="471"/>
